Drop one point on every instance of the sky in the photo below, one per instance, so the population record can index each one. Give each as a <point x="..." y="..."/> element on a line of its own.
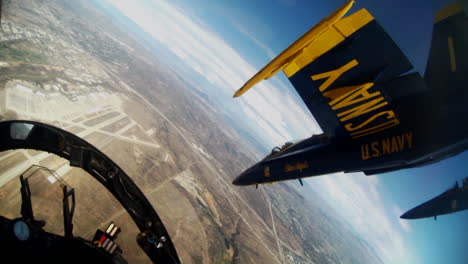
<point x="218" y="45"/>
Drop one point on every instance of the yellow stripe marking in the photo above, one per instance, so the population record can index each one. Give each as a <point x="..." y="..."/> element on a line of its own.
<point x="373" y="130"/>
<point x="453" y="62"/>
<point x="333" y="75"/>
<point x="449" y="11"/>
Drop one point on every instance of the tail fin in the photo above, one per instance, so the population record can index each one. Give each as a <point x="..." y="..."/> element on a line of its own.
<point x="447" y="66"/>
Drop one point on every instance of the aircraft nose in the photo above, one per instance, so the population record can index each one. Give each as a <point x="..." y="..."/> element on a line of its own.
<point x="237" y="180"/>
<point x="248" y="177"/>
<point x="404" y="216"/>
<point x="408" y="215"/>
<point x="241" y="180"/>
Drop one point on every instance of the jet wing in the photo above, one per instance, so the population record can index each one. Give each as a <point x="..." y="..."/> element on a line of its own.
<point x="344" y="73"/>
<point x="451" y="201"/>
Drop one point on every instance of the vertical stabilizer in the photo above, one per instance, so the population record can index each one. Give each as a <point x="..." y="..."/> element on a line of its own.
<point x="447" y="66"/>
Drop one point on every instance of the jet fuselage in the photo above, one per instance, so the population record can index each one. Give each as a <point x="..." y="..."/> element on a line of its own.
<point x="319" y="155"/>
<point x="451" y="201"/>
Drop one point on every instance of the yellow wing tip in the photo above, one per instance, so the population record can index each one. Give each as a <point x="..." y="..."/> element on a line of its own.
<point x="238" y="93"/>
<point x="282" y="60"/>
<point x="249" y="84"/>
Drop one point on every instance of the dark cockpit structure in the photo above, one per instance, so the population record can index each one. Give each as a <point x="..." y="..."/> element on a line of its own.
<point x="24" y="238"/>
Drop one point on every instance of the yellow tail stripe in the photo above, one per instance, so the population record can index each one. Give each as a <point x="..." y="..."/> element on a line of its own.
<point x="453" y="62"/>
<point x="448" y="12"/>
<point x="328" y="40"/>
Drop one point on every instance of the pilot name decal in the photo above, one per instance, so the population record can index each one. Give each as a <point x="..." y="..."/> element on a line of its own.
<point x="350" y="102"/>
<point x="387" y="146"/>
<point x="299" y="166"/>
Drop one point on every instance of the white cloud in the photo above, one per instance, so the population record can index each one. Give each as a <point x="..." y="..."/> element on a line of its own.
<point x="255" y="40"/>
<point x="275" y="113"/>
<point x="357" y="199"/>
<point x="405" y="224"/>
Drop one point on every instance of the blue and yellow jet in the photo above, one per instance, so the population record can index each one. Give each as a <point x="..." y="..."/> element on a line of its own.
<point x="376" y="115"/>
<point x="451" y="201"/>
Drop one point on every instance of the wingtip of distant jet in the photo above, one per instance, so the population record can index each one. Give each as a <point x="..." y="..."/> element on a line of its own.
<point x="410" y="215"/>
